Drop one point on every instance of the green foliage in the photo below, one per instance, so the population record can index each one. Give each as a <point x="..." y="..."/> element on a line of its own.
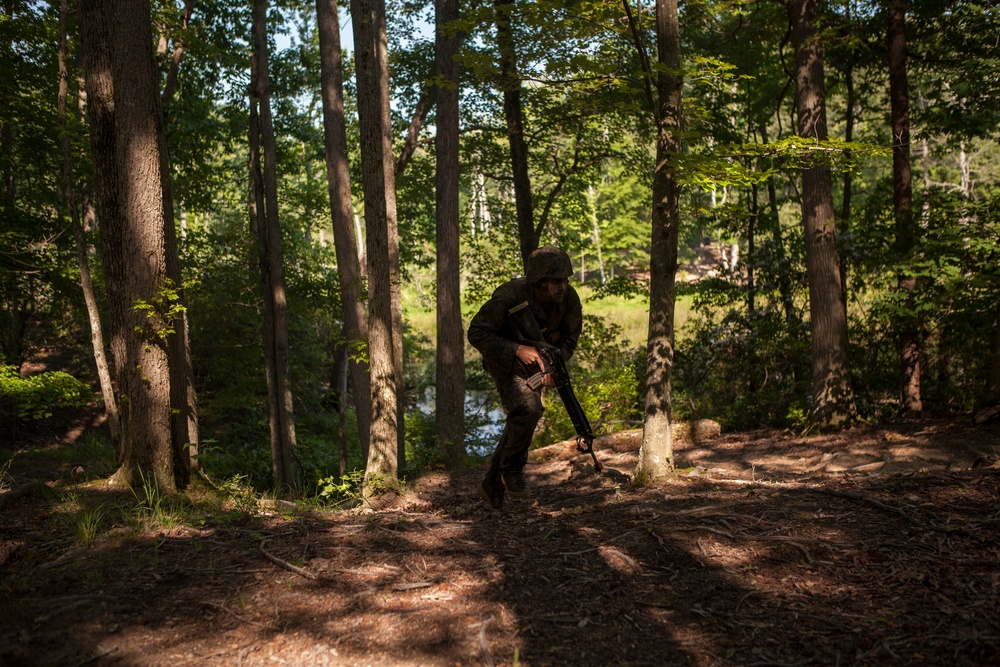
<point x="153" y="510"/>
<point x="336" y="490"/>
<point x="741" y="371"/>
<point x="607" y="376"/>
<point x="162" y="311"/>
<point x="37" y="396"/>
<point x="87" y="520"/>
<point x="241" y="494"/>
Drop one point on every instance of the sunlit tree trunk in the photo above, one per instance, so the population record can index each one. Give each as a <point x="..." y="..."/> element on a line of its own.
<point x="345" y="241"/>
<point x="285" y="464"/>
<point x="450" y="374"/>
<point x="831" y="387"/>
<point x="86" y="284"/>
<point x="127" y="141"/>
<point x="378" y="182"/>
<point x="899" y="96"/>
<point x="656" y="457"/>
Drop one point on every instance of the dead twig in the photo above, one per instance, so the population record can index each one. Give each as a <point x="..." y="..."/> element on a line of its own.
<point x="285" y="564"/>
<point x="487" y="657"/>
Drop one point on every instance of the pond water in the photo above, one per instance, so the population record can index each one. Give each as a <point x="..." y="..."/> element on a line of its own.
<point x="484" y="418"/>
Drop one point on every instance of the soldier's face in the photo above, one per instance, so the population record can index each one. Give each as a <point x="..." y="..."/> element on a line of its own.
<point x="552" y="290"/>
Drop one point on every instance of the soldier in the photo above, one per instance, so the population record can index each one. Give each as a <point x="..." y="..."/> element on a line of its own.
<point x="556" y="307"/>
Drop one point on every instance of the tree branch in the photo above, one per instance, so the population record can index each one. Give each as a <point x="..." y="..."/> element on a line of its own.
<point x="643" y="60"/>
<point x="424" y="104"/>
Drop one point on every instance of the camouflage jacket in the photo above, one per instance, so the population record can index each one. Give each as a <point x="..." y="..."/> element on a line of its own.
<point x="492" y="333"/>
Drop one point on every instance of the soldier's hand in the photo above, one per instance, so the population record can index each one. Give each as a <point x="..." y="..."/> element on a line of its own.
<point x="529" y="355"/>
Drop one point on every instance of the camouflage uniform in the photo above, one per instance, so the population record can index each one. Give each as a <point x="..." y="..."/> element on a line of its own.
<point x="493" y="334"/>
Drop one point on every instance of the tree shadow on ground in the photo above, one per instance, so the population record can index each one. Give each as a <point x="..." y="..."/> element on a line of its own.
<point x="833" y="570"/>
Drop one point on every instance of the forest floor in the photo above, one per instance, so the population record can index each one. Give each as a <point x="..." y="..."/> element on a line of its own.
<point x="875" y="546"/>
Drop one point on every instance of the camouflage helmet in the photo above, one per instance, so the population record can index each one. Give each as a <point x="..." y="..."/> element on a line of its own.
<point x="548" y="262"/>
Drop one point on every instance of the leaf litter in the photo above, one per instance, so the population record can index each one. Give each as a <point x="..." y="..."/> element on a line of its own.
<point x="873" y="546"/>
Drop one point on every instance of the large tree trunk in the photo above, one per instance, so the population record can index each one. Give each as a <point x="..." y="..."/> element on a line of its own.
<point x="450" y="378"/>
<point x="129" y="156"/>
<point x="378" y="183"/>
<point x="86" y="284"/>
<point x="899" y="97"/>
<point x="287" y="470"/>
<point x="345" y="241"/>
<point x="510" y="83"/>
<point x="831" y="386"/>
<point x="656" y="452"/>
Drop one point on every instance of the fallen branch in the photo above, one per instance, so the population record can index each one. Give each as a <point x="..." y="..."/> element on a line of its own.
<point x="285" y="564"/>
<point x="413" y="585"/>
<point x="72" y="554"/>
<point x="482" y="642"/>
<point x="21" y="491"/>
<point x="870" y="501"/>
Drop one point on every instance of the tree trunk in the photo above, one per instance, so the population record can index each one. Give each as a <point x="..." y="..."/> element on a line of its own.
<point x="128" y="148"/>
<point x="381" y="242"/>
<point x="899" y="96"/>
<point x="86" y="284"/>
<point x="287" y="470"/>
<point x="595" y="230"/>
<point x="510" y="83"/>
<point x="345" y="241"/>
<point x="831" y="387"/>
<point x="848" y="177"/>
<point x="450" y="372"/>
<point x="656" y="457"/>
<point x="777" y="238"/>
<point x="993" y="389"/>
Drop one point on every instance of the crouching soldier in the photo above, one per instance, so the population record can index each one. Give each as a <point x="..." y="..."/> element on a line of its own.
<point x="557" y="310"/>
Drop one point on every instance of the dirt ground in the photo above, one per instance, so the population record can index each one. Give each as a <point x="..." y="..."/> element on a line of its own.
<point x="876" y="546"/>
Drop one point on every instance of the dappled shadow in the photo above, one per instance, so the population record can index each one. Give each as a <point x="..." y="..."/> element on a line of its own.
<point x="818" y="568"/>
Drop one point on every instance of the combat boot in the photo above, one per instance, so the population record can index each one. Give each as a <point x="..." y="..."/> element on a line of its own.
<point x="513" y="482"/>
<point x="492" y="492"/>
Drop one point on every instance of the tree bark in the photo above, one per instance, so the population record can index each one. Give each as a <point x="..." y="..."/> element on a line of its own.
<point x="510" y="84"/>
<point x="286" y="467"/>
<point x="344" y="239"/>
<point x="993" y="388"/>
<point x="129" y="156"/>
<point x="83" y="262"/>
<point x="831" y="387"/>
<point x="656" y="456"/>
<point x="899" y="97"/>
<point x="450" y="372"/>
<point x="378" y="183"/>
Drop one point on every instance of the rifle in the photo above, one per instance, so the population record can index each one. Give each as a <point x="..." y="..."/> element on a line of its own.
<point x="555" y="365"/>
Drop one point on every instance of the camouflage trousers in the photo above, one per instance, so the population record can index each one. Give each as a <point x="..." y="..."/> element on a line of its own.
<point x="524" y="409"/>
